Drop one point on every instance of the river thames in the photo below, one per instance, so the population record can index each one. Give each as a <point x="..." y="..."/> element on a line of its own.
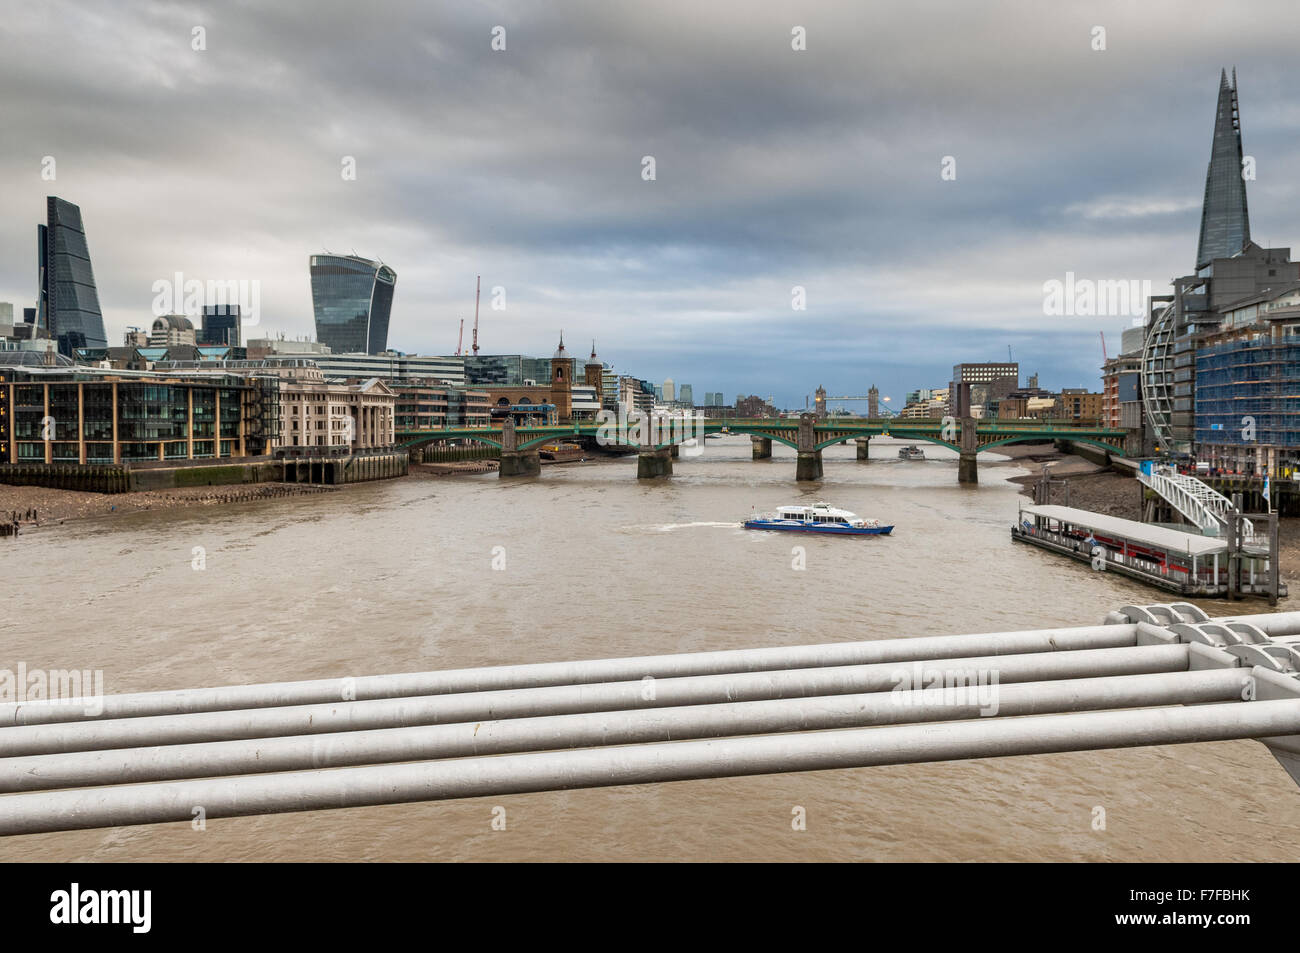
<point x="399" y="576"/>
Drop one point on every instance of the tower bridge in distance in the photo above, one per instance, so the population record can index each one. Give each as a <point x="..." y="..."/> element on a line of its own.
<point x="807" y="435"/>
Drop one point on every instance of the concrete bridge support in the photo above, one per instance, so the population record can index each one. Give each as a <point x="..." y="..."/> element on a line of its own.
<point x="967" y="471"/>
<point x="516" y="462"/>
<point x="809" y="465"/>
<point x="675" y="450"/>
<point x="864" y="445"/>
<point x="651" y="463"/>
<point x="762" y="448"/>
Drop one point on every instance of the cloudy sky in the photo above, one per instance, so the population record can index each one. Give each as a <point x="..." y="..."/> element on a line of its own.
<point x="774" y="168"/>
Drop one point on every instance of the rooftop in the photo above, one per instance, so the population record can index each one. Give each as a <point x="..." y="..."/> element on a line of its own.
<point x="1168" y="540"/>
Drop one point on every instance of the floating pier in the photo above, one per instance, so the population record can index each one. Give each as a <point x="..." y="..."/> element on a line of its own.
<point x="1186" y="563"/>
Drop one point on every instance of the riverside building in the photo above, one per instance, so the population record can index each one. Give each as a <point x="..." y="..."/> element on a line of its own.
<point x="1248" y="387"/>
<point x="86" y="415"/>
<point x="1230" y="269"/>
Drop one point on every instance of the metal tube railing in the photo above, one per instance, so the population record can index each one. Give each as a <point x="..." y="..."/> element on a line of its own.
<point x="172" y="762"/>
<point x="566" y="699"/>
<point x="640" y="764"/>
<point x="549" y="674"/>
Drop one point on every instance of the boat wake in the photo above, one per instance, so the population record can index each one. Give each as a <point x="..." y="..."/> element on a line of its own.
<point x="669" y="527"/>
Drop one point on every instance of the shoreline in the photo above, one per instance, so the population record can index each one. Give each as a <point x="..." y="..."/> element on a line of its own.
<point x="55" y="507"/>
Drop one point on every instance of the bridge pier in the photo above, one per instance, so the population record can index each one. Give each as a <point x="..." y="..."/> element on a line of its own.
<point x="864" y="445"/>
<point x="966" y="469"/>
<point x="516" y="463"/>
<point x="969" y="444"/>
<point x="675" y="450"/>
<point x="809" y="465"/>
<point x="762" y="448"/>
<point x="651" y="463"/>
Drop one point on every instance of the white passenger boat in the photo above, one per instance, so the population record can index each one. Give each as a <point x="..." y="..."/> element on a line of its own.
<point x="818" y="518"/>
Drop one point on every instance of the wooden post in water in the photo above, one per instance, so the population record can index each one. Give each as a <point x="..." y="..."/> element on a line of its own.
<point x="1274" y="557"/>
<point x="1232" y="554"/>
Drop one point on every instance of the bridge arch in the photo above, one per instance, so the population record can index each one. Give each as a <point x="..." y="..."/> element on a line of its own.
<point x="758" y="432"/>
<point x="955" y="448"/>
<point x="424" y="439"/>
<point x="1031" y="438"/>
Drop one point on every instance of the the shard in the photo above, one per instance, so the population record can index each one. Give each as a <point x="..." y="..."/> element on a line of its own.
<point x="1225" y="222"/>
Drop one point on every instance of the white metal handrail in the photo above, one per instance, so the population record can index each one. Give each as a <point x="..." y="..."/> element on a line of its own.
<point x="1195" y="500"/>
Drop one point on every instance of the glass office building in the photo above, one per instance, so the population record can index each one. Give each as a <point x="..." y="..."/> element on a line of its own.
<point x="1225" y="218"/>
<point x="68" y="307"/>
<point x="352" y="298"/>
<point x="221" y="325"/>
<point x="101" y="416"/>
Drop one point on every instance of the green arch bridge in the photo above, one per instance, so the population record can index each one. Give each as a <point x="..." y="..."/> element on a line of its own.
<point x="806" y="435"/>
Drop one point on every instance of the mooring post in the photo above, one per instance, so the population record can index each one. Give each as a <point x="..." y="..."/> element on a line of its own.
<point x="1274" y="557"/>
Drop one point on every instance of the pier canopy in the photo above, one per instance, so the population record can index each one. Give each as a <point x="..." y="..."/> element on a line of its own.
<point x="1142" y="534"/>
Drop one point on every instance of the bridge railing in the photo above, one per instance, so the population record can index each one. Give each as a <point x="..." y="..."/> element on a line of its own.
<point x="260" y="749"/>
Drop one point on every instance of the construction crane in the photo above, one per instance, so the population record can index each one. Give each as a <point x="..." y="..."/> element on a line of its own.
<point x="1104" y="356"/>
<point x="477" y="288"/>
<point x="460" y="338"/>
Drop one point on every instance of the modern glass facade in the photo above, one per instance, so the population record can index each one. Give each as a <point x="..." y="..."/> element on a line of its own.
<point x="101" y="418"/>
<point x="353" y="299"/>
<point x="69" y="303"/>
<point x="1225" y="221"/>
<point x="1248" y="399"/>
<point x="221" y="325"/>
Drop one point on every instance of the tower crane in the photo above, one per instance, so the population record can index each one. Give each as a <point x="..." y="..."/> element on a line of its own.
<point x="478" y="286"/>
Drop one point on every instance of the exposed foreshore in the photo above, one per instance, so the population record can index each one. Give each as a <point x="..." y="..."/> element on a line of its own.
<point x="36" y="506"/>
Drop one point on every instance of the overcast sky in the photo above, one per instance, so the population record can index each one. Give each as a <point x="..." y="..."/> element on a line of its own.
<point x="774" y="168"/>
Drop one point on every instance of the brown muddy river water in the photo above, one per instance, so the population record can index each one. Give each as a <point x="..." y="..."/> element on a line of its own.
<point x="398" y="577"/>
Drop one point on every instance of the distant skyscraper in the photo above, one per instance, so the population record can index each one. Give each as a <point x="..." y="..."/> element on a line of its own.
<point x="1225" y="222"/>
<point x="669" y="393"/>
<point x="686" y="395"/>
<point x="68" y="306"/>
<point x="352" y="298"/>
<point x="220" y="325"/>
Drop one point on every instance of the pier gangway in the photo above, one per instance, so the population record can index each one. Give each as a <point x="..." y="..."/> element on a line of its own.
<point x="1198" y="502"/>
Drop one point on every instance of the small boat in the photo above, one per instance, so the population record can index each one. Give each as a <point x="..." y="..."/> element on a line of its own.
<point x="561" y="452"/>
<point x="818" y="518"/>
<point x="911" y="453"/>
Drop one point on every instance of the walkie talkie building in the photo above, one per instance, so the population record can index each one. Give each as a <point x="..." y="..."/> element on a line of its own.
<point x="352" y="298"/>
